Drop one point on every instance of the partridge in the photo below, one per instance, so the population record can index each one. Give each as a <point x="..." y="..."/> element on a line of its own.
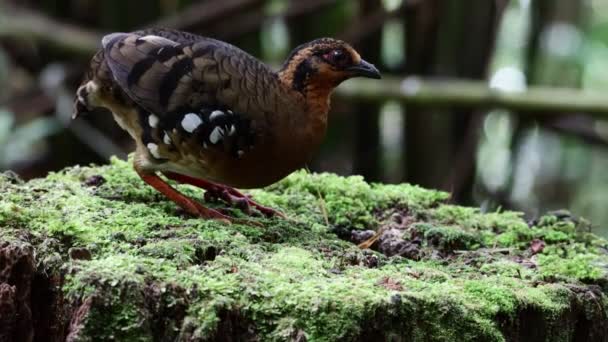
<point x="205" y="113"/>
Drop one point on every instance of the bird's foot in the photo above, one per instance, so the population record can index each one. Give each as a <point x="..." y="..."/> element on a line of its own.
<point x="226" y="194"/>
<point x="191" y="206"/>
<point x="240" y="200"/>
<point x="208" y="213"/>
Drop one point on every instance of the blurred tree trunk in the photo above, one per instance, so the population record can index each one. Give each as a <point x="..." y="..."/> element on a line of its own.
<point x="447" y="38"/>
<point x="367" y="151"/>
<point x="555" y="25"/>
<point x="543" y="66"/>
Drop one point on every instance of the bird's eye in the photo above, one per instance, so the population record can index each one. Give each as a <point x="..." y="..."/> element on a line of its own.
<point x="337" y="57"/>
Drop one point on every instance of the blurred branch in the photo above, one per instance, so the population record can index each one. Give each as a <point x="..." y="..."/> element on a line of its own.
<point x="250" y="22"/>
<point x="25" y="23"/>
<point x="206" y="13"/>
<point x="18" y="22"/>
<point x="438" y="93"/>
<point x="370" y="23"/>
<point x="579" y="126"/>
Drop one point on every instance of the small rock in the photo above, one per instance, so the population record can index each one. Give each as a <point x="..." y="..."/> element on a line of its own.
<point x="371" y="261"/>
<point x="335" y="271"/>
<point x="358" y="236"/>
<point x="140" y="241"/>
<point x="95" y="180"/>
<point x="396" y="299"/>
<point x="79" y="253"/>
<point x="119" y="236"/>
<point x="392" y="243"/>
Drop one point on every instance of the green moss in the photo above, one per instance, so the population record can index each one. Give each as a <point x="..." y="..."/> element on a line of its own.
<point x="572" y="262"/>
<point x="448" y="238"/>
<point x="343" y="201"/>
<point x="506" y="268"/>
<point x="505" y="229"/>
<point x="158" y="275"/>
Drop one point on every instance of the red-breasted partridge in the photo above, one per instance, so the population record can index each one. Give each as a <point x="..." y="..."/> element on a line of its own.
<point x="204" y="112"/>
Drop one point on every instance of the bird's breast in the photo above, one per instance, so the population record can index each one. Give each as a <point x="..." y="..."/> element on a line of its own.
<point x="276" y="153"/>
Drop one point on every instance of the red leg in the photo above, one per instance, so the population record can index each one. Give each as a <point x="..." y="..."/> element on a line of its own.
<point x="188" y="204"/>
<point x="228" y="194"/>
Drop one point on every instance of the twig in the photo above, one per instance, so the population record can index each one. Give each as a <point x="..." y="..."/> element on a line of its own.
<point x="579" y="126"/>
<point x="25" y="23"/>
<point x="16" y="22"/>
<point x="464" y="93"/>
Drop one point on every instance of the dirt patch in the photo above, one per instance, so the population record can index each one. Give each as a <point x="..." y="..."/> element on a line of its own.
<point x="95" y="180"/>
<point x="394" y="236"/>
<point x="31" y="306"/>
<point x="17" y="269"/>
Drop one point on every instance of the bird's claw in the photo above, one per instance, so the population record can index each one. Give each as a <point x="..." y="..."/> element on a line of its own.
<point x="241" y="201"/>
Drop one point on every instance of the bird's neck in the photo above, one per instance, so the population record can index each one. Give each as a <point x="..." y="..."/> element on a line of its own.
<point x="312" y="92"/>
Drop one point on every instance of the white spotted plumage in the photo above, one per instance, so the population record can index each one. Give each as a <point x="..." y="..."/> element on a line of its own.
<point x="190" y="122"/>
<point x="153" y="148"/>
<point x="167" y="139"/>
<point x="216" y="135"/>
<point x="215" y="114"/>
<point x="153" y="120"/>
<point x="155" y="39"/>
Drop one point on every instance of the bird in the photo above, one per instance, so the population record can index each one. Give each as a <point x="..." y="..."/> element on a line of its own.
<point x="206" y="113"/>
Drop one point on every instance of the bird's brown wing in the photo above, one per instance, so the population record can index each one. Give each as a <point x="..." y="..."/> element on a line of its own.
<point x="198" y="86"/>
<point x="162" y="74"/>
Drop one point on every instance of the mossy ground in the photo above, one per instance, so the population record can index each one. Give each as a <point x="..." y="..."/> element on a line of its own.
<point x="157" y="274"/>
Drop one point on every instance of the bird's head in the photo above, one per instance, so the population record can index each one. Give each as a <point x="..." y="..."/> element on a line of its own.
<point x="316" y="68"/>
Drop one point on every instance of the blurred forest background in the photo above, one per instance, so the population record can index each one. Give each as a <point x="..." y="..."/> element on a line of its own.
<point x="499" y="102"/>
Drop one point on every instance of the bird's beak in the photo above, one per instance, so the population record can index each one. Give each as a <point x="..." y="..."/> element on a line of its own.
<point x="365" y="69"/>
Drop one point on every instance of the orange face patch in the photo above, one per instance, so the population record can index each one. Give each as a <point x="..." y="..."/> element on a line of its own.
<point x="316" y="68"/>
<point x="324" y="61"/>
